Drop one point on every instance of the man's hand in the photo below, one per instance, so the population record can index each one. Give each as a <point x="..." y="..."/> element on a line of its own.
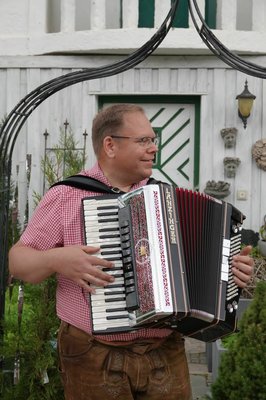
<point x="79" y="264"/>
<point x="243" y="267"/>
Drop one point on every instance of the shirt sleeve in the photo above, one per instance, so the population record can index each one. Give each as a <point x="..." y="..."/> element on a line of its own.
<point x="44" y="230"/>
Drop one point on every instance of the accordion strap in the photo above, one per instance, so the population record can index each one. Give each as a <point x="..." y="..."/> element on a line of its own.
<point x="93" y="185"/>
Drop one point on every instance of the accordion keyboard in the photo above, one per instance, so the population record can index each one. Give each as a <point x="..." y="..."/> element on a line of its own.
<point x="108" y="304"/>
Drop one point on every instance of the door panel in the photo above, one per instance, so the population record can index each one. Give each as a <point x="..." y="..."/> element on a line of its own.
<point x="175" y="125"/>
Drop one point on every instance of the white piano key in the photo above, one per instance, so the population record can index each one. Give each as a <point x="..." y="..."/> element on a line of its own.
<point x="102" y="315"/>
<point x="103" y="324"/>
<point x="102" y="290"/>
<point x="103" y="297"/>
<point x="108" y="306"/>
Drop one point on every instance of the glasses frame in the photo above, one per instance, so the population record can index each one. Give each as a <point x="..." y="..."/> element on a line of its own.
<point x="144" y="141"/>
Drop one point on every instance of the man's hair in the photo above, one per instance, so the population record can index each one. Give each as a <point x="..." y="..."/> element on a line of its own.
<point x="108" y="121"/>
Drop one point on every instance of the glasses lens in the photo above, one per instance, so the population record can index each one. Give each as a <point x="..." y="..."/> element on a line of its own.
<point x="147" y="141"/>
<point x="156" y="141"/>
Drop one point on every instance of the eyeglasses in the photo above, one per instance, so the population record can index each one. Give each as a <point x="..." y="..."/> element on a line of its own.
<point x="145" y="141"/>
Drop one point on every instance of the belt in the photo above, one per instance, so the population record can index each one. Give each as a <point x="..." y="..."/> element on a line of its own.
<point x="139" y="345"/>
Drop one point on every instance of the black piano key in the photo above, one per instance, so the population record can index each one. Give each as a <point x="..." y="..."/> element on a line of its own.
<point x="107" y="214"/>
<point x="113" y="300"/>
<point x="118" y="258"/>
<point x="111" y="310"/>
<point x="109" y="229"/>
<point x="114" y="285"/>
<point x="110" y="252"/>
<point x="111" y="269"/>
<point x="110" y="246"/>
<point x="110" y="317"/>
<point x="115" y="292"/>
<point x="109" y="236"/>
<point x="105" y="221"/>
<point x="119" y="275"/>
<point x="109" y="207"/>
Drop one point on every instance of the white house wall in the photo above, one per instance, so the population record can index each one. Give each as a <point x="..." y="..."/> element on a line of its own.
<point x="207" y="77"/>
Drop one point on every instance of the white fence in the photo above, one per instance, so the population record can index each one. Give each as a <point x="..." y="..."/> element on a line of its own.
<point x="31" y="27"/>
<point x="231" y="14"/>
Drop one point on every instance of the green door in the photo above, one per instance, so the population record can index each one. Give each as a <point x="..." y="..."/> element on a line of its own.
<point x="176" y="120"/>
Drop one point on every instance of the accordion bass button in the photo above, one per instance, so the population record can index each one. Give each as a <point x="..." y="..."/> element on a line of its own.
<point x="239" y="227"/>
<point x="230" y="308"/>
<point x="235" y="305"/>
<point x="235" y="228"/>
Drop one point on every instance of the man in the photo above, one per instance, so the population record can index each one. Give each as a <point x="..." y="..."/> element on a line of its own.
<point x="143" y="364"/>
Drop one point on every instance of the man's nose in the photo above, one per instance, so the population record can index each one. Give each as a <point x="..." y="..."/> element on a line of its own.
<point x="153" y="148"/>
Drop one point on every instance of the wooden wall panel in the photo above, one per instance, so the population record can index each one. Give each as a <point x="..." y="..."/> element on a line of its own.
<point x="217" y="85"/>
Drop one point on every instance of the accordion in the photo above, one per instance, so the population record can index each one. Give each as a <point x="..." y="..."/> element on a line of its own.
<point x="172" y="250"/>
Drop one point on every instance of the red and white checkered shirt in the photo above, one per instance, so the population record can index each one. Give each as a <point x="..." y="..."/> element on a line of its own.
<point x="57" y="222"/>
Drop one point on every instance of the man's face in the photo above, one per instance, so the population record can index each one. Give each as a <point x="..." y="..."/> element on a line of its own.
<point x="133" y="157"/>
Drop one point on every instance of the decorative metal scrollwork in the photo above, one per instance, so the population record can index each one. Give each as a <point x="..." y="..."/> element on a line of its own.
<point x="217" y="48"/>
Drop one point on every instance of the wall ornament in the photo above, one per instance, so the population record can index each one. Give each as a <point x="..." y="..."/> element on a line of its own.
<point x="230" y="166"/>
<point x="229" y="136"/>
<point x="219" y="190"/>
<point x="259" y="153"/>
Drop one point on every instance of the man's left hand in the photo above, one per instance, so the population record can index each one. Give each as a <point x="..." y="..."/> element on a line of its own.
<point x="243" y="267"/>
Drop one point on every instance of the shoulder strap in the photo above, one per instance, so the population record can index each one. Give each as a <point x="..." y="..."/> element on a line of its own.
<point x="152" y="181"/>
<point x="85" y="183"/>
<point x="93" y="185"/>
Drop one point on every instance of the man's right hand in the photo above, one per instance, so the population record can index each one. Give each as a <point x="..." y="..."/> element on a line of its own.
<point x="77" y="263"/>
<point x="81" y="265"/>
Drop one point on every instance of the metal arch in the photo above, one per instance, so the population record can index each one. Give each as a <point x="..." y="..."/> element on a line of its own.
<point x="222" y="52"/>
<point x="18" y="116"/>
<point x="26" y="106"/>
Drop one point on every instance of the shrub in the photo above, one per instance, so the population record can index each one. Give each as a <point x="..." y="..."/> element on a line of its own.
<point x="29" y="370"/>
<point x="242" y="372"/>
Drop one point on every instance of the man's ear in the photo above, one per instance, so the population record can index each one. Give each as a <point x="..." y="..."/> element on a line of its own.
<point x="109" y="146"/>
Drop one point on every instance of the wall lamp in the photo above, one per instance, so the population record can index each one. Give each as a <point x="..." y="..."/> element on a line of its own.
<point x="245" y="103"/>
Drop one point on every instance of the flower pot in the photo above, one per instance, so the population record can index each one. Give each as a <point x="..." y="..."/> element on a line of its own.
<point x="217" y="350"/>
<point x="262" y="247"/>
<point x="243" y="304"/>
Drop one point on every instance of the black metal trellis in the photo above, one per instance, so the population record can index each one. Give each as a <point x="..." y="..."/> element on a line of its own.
<point x="222" y="52"/>
<point x="18" y="116"/>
